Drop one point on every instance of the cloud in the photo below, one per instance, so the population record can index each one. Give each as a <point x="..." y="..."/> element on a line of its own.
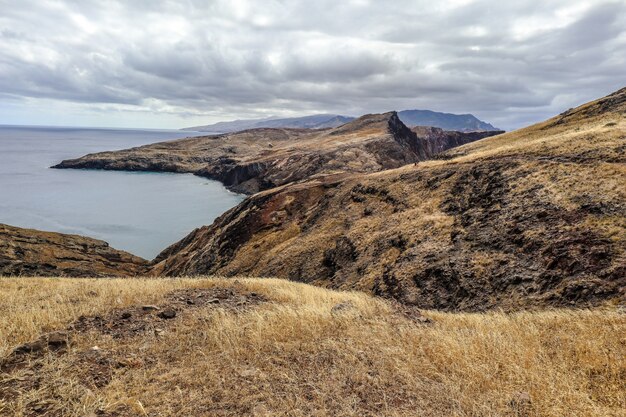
<point x="173" y="63"/>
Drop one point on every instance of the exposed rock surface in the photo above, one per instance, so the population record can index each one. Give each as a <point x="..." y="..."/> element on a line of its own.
<point x="31" y="252"/>
<point x="534" y="217"/>
<point x="261" y="159"/>
<point x="433" y="140"/>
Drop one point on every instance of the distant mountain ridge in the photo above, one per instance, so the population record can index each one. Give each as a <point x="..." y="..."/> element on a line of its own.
<point x="447" y="121"/>
<point x="258" y="159"/>
<point x="315" y="121"/>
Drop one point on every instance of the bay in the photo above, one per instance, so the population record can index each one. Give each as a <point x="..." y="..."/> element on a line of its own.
<point x="139" y="212"/>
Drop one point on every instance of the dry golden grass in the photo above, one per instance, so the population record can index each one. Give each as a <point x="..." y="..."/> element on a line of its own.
<point x="574" y="136"/>
<point x="291" y="356"/>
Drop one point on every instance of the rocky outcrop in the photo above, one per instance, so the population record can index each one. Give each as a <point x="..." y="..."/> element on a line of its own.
<point x="261" y="159"/>
<point x="531" y="218"/>
<point x="432" y="141"/>
<point x="27" y="252"/>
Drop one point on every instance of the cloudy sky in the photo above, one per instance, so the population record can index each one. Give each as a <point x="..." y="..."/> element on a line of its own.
<point x="173" y="64"/>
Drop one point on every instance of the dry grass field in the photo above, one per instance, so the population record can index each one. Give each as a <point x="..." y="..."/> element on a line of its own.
<point x="272" y="347"/>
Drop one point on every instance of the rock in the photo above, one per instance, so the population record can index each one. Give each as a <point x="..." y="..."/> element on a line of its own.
<point x="167" y="314"/>
<point x="130" y="362"/>
<point x="58" y="340"/>
<point x="246" y="373"/>
<point x="32" y="347"/>
<point x="411" y="312"/>
<point x="341" y="308"/>
<point x="225" y="294"/>
<point x="213" y="301"/>
<point x="521" y="404"/>
<point x="53" y="341"/>
<point x="149" y="308"/>
<point x="260" y="410"/>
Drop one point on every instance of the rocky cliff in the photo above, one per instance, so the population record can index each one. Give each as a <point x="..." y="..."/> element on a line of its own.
<point x="30" y="252"/>
<point x="261" y="159"/>
<point x="534" y="217"/>
<point x="432" y="141"/>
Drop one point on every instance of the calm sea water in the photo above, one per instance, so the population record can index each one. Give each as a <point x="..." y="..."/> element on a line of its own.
<point x="141" y="213"/>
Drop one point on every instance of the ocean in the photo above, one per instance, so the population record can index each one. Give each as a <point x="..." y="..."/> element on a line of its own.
<point x="138" y="212"/>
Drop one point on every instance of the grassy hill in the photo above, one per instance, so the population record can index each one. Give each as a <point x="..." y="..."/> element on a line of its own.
<point x="276" y="348"/>
<point x="29" y="252"/>
<point x="530" y="218"/>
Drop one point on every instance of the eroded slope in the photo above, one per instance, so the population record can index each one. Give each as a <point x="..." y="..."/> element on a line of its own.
<point x="534" y="217"/>
<point x="31" y="252"/>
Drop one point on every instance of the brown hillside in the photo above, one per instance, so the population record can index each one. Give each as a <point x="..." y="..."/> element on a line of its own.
<point x="260" y="159"/>
<point x="534" y="217"/>
<point x="31" y="252"/>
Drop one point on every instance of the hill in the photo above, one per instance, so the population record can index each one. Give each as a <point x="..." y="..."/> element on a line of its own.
<point x="316" y="121"/>
<point x="530" y="218"/>
<point x="249" y="347"/>
<point x="447" y="121"/>
<point x="261" y="159"/>
<point x="31" y="252"/>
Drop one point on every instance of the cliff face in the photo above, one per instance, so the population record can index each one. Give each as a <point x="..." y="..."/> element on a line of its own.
<point x="261" y="159"/>
<point x="432" y="140"/>
<point x="30" y="252"/>
<point x="529" y="218"/>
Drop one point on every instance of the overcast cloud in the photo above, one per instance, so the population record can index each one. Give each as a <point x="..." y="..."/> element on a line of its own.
<point x="181" y="63"/>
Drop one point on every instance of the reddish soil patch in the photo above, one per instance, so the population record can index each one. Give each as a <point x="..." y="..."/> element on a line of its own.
<point x="128" y="322"/>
